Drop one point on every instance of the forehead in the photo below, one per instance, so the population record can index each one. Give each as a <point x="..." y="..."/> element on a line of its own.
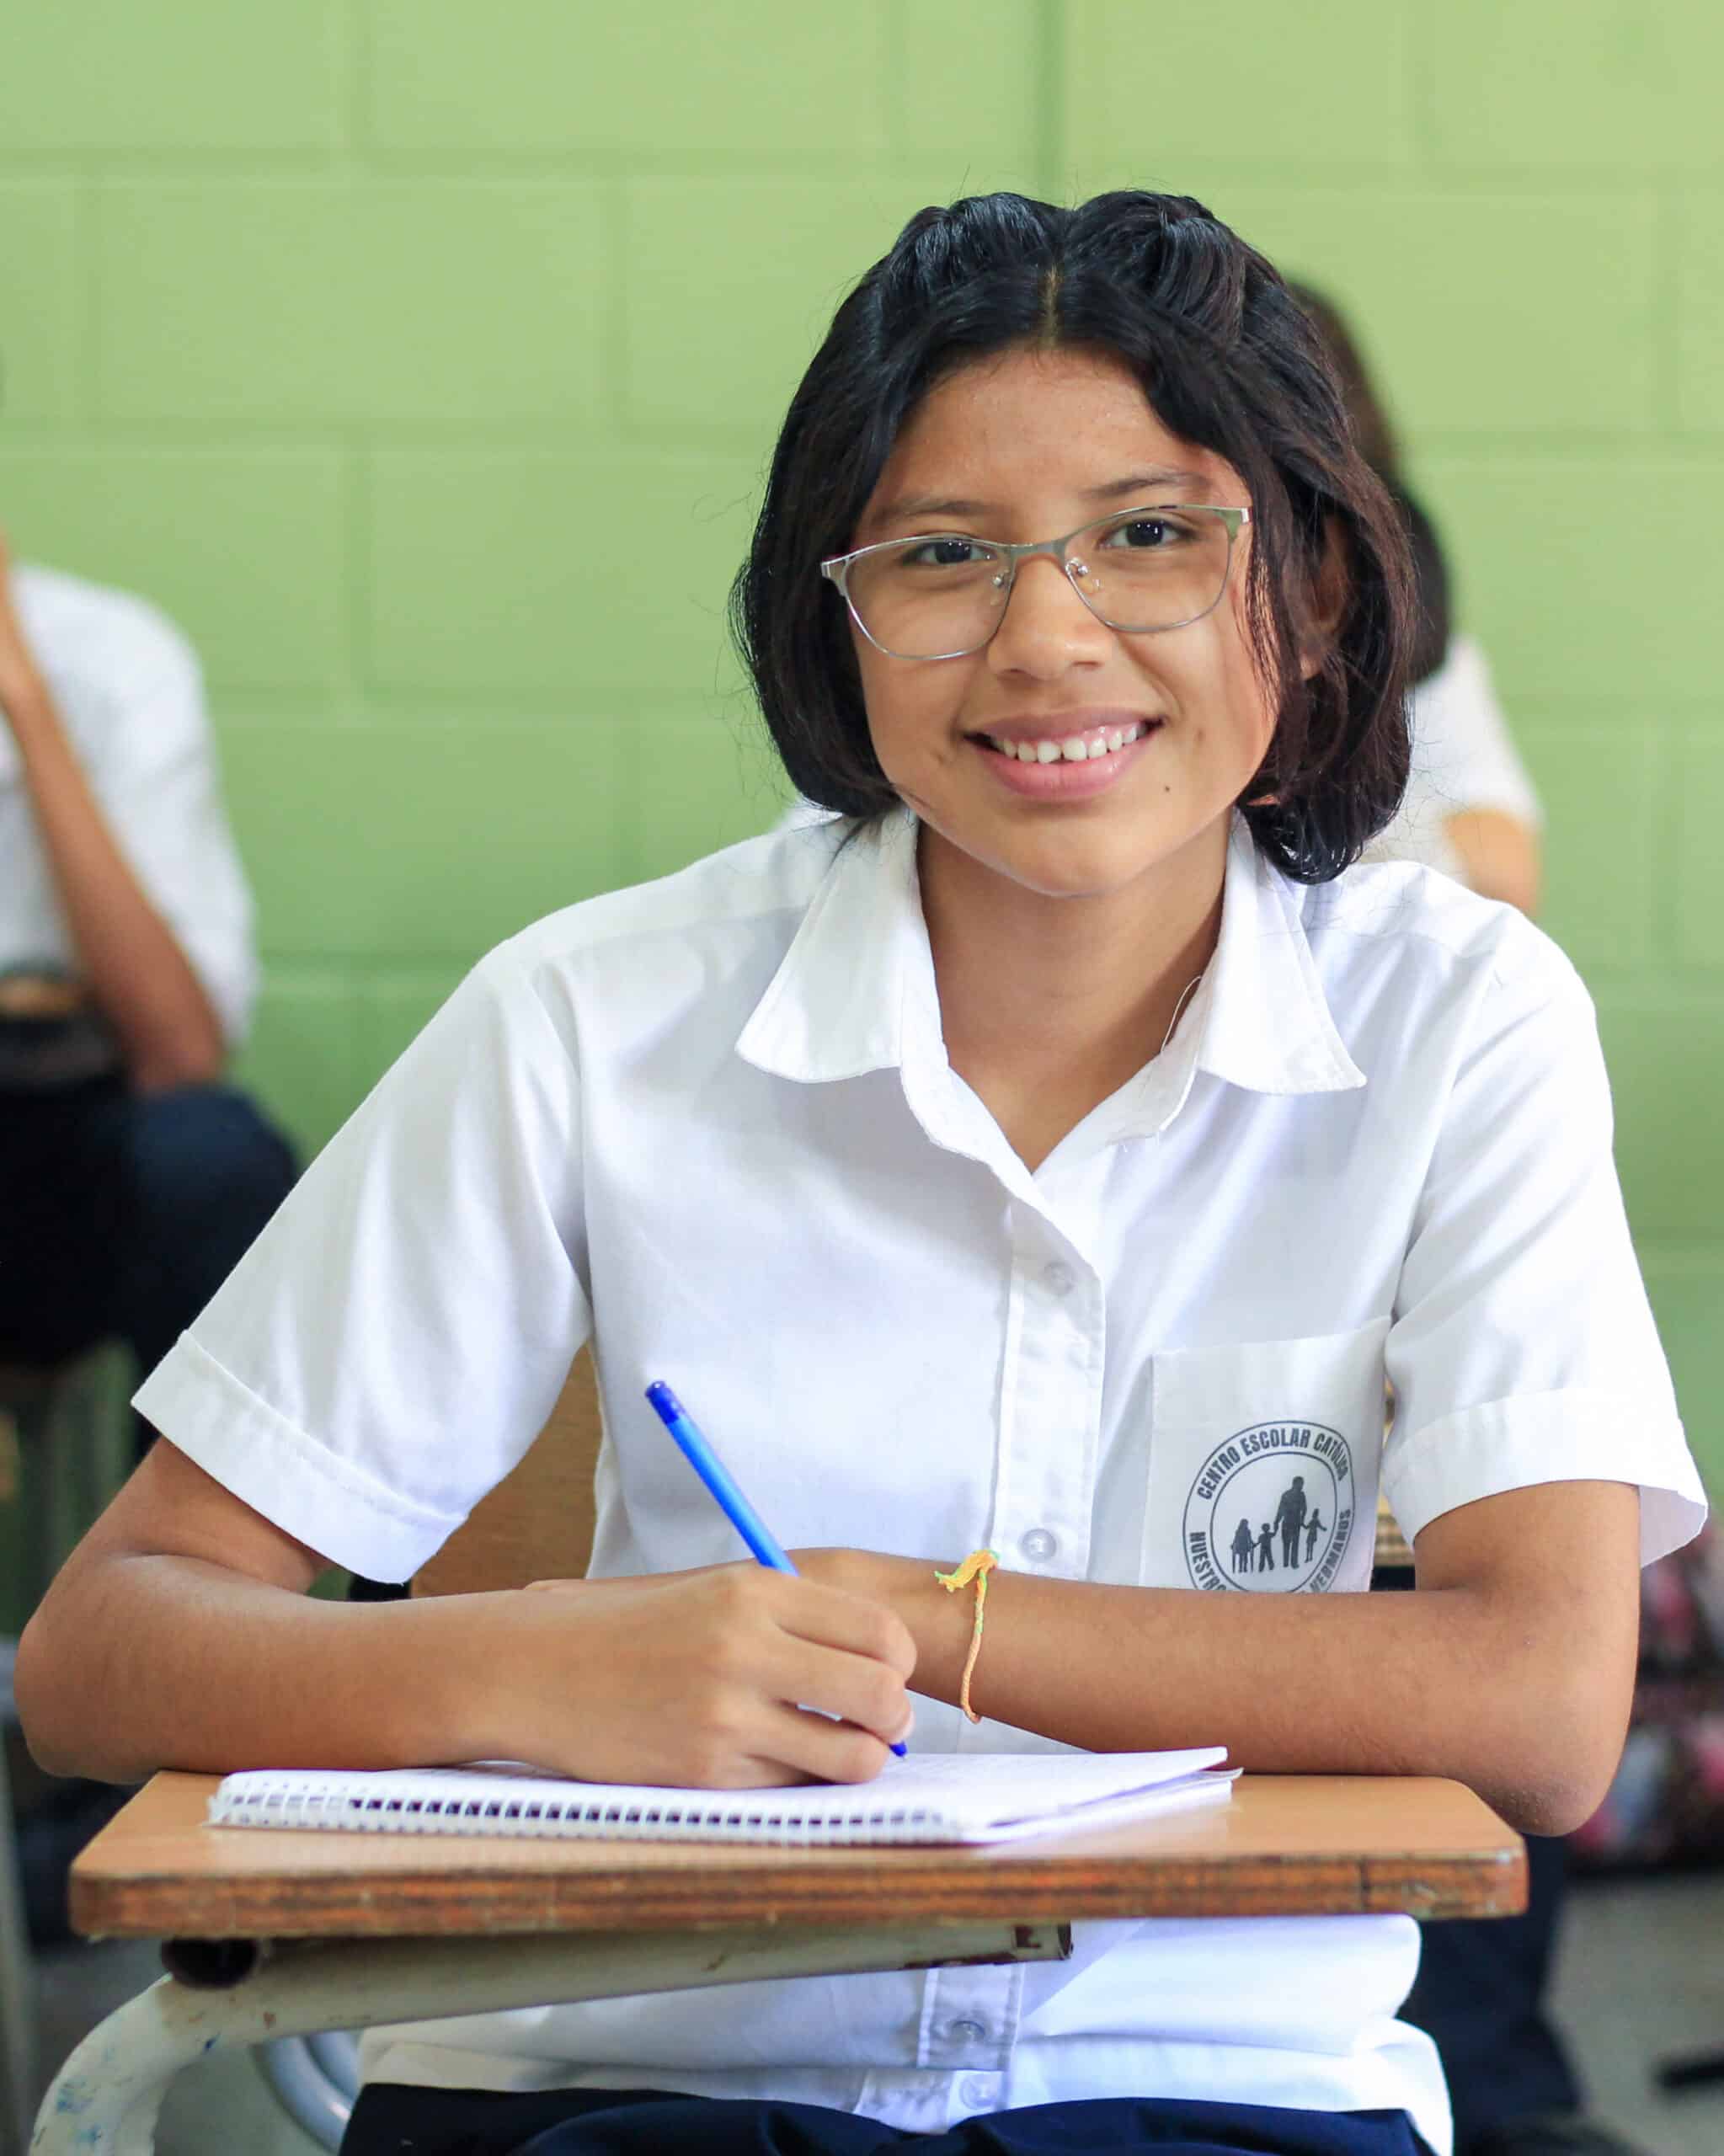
<point x="1022" y="428"/>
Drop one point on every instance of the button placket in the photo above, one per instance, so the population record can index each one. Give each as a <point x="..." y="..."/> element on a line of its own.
<point x="1045" y="1489"/>
<point x="969" y="2020"/>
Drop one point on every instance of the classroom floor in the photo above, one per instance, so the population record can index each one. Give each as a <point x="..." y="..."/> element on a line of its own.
<point x="1641" y="1977"/>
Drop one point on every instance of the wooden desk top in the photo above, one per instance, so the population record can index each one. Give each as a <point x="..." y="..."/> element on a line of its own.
<point x="1283" y="1845"/>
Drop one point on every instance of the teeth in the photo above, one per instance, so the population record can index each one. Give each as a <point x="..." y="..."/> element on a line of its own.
<point x="1073" y="749"/>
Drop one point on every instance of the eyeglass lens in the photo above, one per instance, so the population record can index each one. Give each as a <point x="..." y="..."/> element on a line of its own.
<point x="932" y="598"/>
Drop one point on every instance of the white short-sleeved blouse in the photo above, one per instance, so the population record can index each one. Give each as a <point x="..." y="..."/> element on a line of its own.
<point x="129" y="688"/>
<point x="711" y="1122"/>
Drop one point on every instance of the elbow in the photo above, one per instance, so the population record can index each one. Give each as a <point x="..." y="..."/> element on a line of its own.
<point x="46" y="1730"/>
<point x="63" y="1735"/>
<point x="1545" y="1804"/>
<point x="1521" y="889"/>
<point x="1555" y="1766"/>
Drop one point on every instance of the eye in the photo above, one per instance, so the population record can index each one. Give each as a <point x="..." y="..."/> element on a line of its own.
<point x="949" y="550"/>
<point x="1150" y="534"/>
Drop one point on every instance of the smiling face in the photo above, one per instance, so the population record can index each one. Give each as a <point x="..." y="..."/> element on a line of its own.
<point x="1021" y="446"/>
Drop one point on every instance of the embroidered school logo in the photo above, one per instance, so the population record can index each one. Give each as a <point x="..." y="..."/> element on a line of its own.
<point x="1270" y="1510"/>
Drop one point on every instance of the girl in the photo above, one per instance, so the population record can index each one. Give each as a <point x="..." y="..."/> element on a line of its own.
<point x="982" y="1168"/>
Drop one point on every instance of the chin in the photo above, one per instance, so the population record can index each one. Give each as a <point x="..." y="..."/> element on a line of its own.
<point x="1073" y="870"/>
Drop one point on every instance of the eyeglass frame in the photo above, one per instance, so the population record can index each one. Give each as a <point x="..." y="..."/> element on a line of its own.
<point x="835" y="569"/>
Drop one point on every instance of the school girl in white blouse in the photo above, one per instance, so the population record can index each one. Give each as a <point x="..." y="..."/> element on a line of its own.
<point x="984" y="1167"/>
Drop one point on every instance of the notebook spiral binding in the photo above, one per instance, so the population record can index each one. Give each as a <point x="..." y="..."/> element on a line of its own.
<point x="334" y="1805"/>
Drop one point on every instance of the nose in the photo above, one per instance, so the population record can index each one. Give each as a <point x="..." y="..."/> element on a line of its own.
<point x="1046" y="628"/>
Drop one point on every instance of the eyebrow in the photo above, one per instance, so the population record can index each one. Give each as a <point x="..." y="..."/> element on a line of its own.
<point x="906" y="508"/>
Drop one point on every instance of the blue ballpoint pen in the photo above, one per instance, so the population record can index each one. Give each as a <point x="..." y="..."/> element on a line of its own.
<point x="736" y="1509"/>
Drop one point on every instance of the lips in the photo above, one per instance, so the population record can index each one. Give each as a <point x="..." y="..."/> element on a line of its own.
<point x="1084" y="746"/>
<point x="1043" y="767"/>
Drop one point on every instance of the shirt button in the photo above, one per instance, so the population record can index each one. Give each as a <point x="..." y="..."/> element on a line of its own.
<point x="975" y="2088"/>
<point x="964" y="2032"/>
<point x="1059" y="1278"/>
<point x="1039" y="1546"/>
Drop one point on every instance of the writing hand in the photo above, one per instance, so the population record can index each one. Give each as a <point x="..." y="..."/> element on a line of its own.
<point x="733" y="1676"/>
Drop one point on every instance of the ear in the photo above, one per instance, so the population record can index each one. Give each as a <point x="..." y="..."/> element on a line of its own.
<point x="1325" y="602"/>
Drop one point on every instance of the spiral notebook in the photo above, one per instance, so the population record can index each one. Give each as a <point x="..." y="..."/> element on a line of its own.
<point x="969" y="1796"/>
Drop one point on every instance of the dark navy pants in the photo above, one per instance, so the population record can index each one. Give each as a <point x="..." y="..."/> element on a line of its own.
<point x="1482" y="1995"/>
<point x="121" y="1214"/>
<point x="389" y="2121"/>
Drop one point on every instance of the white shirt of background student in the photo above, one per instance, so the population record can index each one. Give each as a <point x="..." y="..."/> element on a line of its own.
<point x="116" y="862"/>
<point x="1469" y="808"/>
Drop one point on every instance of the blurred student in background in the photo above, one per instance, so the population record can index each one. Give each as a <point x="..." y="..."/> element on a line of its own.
<point x="132" y="1176"/>
<point x="1469" y="808"/>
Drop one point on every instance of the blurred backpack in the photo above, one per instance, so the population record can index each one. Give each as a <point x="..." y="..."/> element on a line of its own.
<point x="1665" y="1806"/>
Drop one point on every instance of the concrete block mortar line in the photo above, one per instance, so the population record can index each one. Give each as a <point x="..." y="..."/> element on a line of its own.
<point x="889" y="15"/>
<point x="354" y="72"/>
<point x="353" y="572"/>
<point x="1419" y="59"/>
<point x="613" y="357"/>
<point x="1666" y="808"/>
<point x="1050" y="149"/>
<point x="85" y="353"/>
<point x="1666" y="322"/>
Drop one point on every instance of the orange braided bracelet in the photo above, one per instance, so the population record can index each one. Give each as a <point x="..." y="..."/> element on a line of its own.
<point x="976" y="1567"/>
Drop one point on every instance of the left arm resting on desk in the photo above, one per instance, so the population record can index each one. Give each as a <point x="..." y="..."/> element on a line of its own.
<point x="1510" y="1669"/>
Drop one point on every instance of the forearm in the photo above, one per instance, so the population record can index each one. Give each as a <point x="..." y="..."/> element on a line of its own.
<point x="1499" y="856"/>
<point x="134" y="967"/>
<point x="148" y="1662"/>
<point x="1448" y="1682"/>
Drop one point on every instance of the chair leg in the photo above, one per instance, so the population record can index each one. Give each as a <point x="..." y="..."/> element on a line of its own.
<point x="108" y="2094"/>
<point x="17" y="1974"/>
<point x="18" y="1993"/>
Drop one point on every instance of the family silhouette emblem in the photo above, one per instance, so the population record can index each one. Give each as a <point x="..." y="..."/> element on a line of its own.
<point x="1294" y="1514"/>
<point x="1298" y="1474"/>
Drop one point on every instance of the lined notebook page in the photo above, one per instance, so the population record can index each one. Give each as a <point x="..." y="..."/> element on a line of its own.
<point x="940" y="1797"/>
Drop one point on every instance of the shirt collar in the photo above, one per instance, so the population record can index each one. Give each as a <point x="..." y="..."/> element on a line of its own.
<point x="855" y="990"/>
<point x="1267" y="1026"/>
<point x="836" y="1005"/>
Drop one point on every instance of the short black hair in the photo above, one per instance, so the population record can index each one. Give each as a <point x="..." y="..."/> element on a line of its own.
<point x="1227" y="359"/>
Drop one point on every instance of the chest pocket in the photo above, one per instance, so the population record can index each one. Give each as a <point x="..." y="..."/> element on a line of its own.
<point x="1263" y="1464"/>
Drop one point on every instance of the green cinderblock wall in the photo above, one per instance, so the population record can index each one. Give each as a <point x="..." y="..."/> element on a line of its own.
<point x="423" y="362"/>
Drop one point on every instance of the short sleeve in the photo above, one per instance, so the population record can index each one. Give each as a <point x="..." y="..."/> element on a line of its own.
<point x="1522" y="1348"/>
<point x="397" y="1336"/>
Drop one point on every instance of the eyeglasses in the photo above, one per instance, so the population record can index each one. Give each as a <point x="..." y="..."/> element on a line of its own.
<point x="943" y="593"/>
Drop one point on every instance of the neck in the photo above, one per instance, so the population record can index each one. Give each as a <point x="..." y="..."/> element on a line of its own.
<point x="1048" y="1005"/>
